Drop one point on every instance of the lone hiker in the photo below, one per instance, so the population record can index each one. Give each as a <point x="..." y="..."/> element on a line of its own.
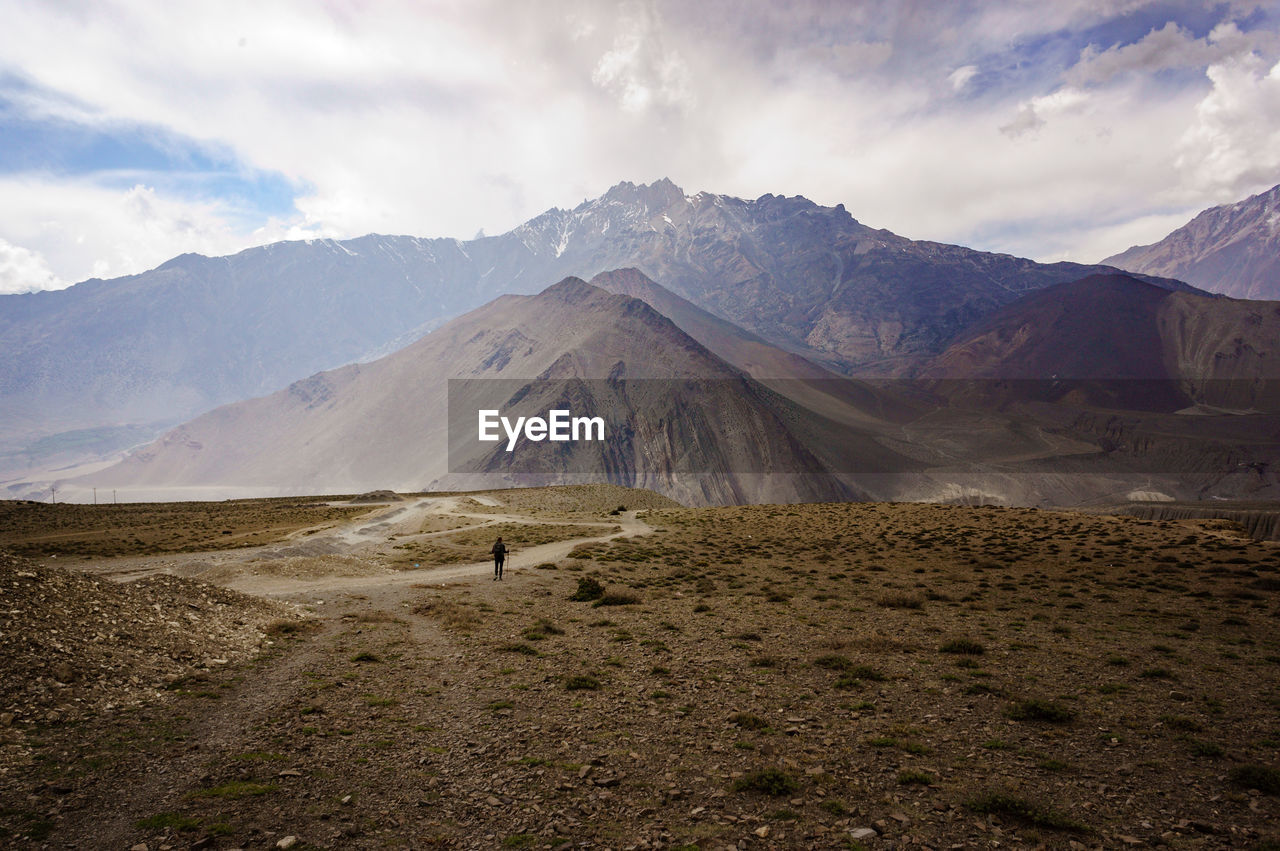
<point x="499" y="556"/>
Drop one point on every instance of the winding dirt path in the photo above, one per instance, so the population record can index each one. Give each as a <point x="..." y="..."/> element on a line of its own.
<point x="362" y="539"/>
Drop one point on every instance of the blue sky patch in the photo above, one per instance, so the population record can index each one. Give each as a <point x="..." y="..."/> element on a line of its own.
<point x="121" y="154"/>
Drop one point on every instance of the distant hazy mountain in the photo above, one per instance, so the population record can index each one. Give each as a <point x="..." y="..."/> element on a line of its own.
<point x="383" y="424"/>
<point x="164" y="345"/>
<point x="1233" y="249"/>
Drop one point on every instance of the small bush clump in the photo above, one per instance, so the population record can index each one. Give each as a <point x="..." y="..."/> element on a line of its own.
<point x="1261" y="777"/>
<point x="588" y="589"/>
<point x="770" y="781"/>
<point x="1025" y="811"/>
<point x="1037" y="709"/>
<point x="963" y="646"/>
<point x="748" y="721"/>
<point x="617" y="598"/>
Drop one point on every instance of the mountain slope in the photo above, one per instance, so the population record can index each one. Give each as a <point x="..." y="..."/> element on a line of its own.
<point x="1233" y="249"/>
<point x="1121" y="343"/>
<point x="386" y="423"/>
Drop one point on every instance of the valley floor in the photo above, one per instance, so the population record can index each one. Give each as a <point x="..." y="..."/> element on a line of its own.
<point x="808" y="676"/>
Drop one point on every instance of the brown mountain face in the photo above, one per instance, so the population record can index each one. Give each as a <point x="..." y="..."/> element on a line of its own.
<point x="1233" y="249"/>
<point x="1115" y="327"/>
<point x="386" y="424"/>
<point x="1183" y="387"/>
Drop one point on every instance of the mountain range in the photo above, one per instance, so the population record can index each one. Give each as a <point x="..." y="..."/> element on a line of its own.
<point x="123" y="356"/>
<point x="788" y="353"/>
<point x="1141" y="397"/>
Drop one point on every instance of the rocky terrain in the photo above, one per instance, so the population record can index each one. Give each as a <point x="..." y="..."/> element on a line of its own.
<point x="802" y="676"/>
<point x="77" y="647"/>
<point x="1233" y="249"/>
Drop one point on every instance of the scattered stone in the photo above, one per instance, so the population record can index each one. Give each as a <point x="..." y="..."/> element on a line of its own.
<point x="287" y="842"/>
<point x="861" y="833"/>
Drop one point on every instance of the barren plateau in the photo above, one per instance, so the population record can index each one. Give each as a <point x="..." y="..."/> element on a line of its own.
<point x="645" y="676"/>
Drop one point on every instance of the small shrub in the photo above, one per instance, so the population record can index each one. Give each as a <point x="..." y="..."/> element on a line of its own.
<point x="980" y="688"/>
<point x="519" y="647"/>
<point x="963" y="646"/>
<point x="582" y="682"/>
<point x="997" y="803"/>
<point x="365" y="657"/>
<point x="588" y="589"/>
<point x="1264" y="778"/>
<point x="854" y="675"/>
<point x="236" y="789"/>
<point x="1208" y="750"/>
<point x="1176" y="722"/>
<point x="915" y="778"/>
<point x="900" y="601"/>
<point x="617" y="598"/>
<point x="172" y="821"/>
<point x="748" y="721"/>
<point x="770" y="781"/>
<point x="1041" y="710"/>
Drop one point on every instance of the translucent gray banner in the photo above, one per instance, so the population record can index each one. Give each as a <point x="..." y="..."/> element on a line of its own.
<point x="616" y="428"/>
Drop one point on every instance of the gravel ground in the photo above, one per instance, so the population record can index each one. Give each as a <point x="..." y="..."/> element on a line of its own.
<point x="821" y="676"/>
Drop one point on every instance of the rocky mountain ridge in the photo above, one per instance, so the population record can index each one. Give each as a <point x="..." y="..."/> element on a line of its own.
<point x="1233" y="249"/>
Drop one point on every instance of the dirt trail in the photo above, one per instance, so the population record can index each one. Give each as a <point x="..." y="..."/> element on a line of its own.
<point x="231" y="730"/>
<point x="362" y="539"/>
<point x="519" y="559"/>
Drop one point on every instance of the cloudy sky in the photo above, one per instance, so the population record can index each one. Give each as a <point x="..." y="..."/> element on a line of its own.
<point x="134" y="131"/>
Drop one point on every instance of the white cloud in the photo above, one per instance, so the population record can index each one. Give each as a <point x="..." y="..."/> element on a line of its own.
<point x="69" y="230"/>
<point x="961" y="77"/>
<point x="639" y="70"/>
<point x="1169" y="47"/>
<point x="25" y="271"/>
<point x="439" y="119"/>
<point x="1233" y="145"/>
<point x="1034" y="113"/>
